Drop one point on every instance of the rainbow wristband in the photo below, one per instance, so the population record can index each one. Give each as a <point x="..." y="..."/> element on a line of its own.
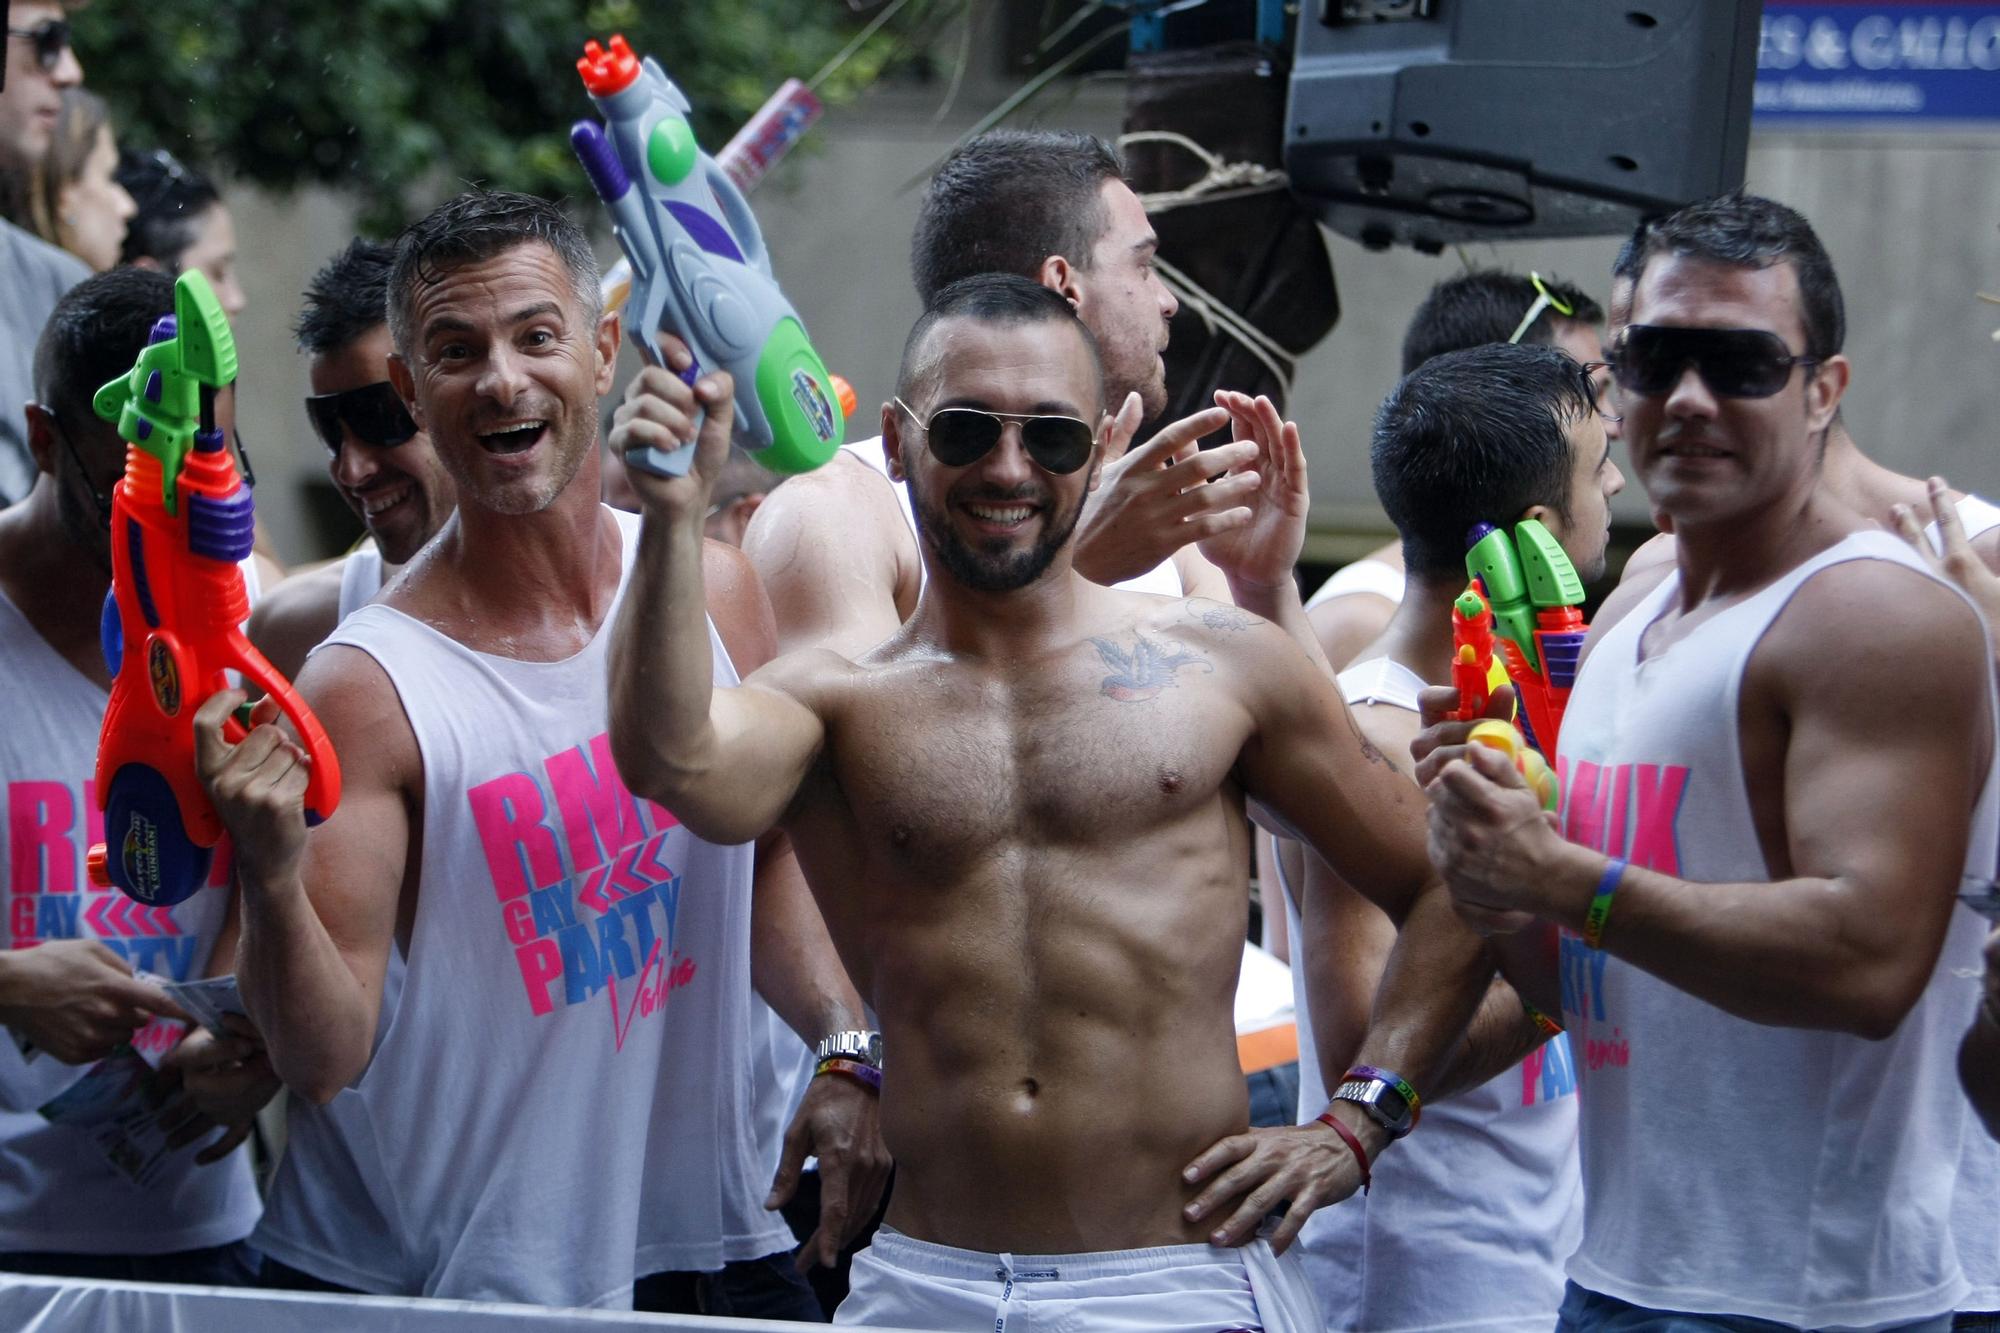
<point x="1600" y="904"/>
<point x="1396" y="1081"/>
<point x="1546" y="1025"/>
<point x="867" y="1075"/>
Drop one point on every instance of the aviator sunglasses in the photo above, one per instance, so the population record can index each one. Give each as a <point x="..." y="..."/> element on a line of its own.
<point x="373" y="412"/>
<point x="51" y="39"/>
<point x="961" y="436"/>
<point x="1649" y="360"/>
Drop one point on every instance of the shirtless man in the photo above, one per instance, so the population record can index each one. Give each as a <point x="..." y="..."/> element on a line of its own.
<point x="1053" y="982"/>
<point x="575" y="1013"/>
<point x="836" y="548"/>
<point x="380" y="462"/>
<point x="1767" y="998"/>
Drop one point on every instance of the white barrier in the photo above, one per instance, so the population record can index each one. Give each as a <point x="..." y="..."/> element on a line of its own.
<point x="65" y="1305"/>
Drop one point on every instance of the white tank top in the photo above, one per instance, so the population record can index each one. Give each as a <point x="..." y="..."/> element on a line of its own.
<point x="1793" y="1175"/>
<point x="560" y="1103"/>
<point x="360" y="578"/>
<point x="1163" y="579"/>
<point x="322" y="1214"/>
<point x="1361" y="576"/>
<point x="57" y="1191"/>
<point x="1975" y="1208"/>
<point x="1432" y="1251"/>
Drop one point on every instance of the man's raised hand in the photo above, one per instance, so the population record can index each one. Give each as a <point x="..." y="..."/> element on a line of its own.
<point x="258" y="785"/>
<point x="659" y="412"/>
<point x="1259" y="553"/>
<point x="1156" y="498"/>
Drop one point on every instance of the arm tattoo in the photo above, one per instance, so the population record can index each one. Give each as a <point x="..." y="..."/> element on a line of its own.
<point x="1141" y="672"/>
<point x="1369" y="750"/>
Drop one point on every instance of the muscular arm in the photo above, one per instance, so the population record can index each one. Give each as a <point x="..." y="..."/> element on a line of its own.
<point x="836" y="558"/>
<point x="1876" y="813"/>
<point x="1346" y="625"/>
<point x="726" y="761"/>
<point x="318" y="924"/>
<point x="295" y="617"/>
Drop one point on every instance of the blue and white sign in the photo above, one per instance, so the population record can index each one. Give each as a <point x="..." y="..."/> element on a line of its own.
<point x="1879" y="61"/>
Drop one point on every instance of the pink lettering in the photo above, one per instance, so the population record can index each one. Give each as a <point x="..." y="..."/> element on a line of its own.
<point x="518" y="920"/>
<point x="520" y="851"/>
<point x="1615" y="793"/>
<point x="93" y="816"/>
<point x="598" y="813"/>
<point x="21" y="920"/>
<point x="1583" y="813"/>
<point x="1660" y="791"/>
<point x="649" y="998"/>
<point x="541" y="966"/>
<point x="41" y="857"/>
<point x="1531" y="1075"/>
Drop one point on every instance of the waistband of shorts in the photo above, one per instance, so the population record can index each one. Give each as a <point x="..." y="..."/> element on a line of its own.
<point x="930" y="1259"/>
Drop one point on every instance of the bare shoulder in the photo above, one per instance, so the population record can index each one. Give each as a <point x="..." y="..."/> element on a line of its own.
<point x="846" y="499"/>
<point x="738" y="606"/>
<point x="1987" y="546"/>
<point x="296" y="616"/>
<point x="1650" y="563"/>
<point x="1644" y="572"/>
<point x="1250" y="654"/>
<point x="358" y="705"/>
<point x="1868" y="626"/>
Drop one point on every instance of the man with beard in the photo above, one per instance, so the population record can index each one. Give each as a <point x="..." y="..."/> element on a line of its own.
<point x="575" y="1014"/>
<point x="382" y="465"/>
<point x="1022" y="815"/>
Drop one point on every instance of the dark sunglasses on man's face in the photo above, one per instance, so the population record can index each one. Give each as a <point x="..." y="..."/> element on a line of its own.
<point x="961" y="436"/>
<point x="51" y="39"/>
<point x="1650" y="359"/>
<point x="373" y="412"/>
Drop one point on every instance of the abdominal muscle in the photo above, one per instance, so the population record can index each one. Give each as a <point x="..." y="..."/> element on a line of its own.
<point x="1059" y="1055"/>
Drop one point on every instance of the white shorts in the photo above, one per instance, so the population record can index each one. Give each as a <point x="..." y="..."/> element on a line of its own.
<point x="898" y="1282"/>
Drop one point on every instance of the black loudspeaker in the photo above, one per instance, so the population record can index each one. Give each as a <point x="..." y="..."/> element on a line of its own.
<point x="1424" y="122"/>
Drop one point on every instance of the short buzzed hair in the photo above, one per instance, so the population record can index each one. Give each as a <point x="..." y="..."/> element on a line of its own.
<point x="473" y="228"/>
<point x="346" y="298"/>
<point x="1006" y="201"/>
<point x="1486" y="306"/>
<point x="94" y="335"/>
<point x="991" y="298"/>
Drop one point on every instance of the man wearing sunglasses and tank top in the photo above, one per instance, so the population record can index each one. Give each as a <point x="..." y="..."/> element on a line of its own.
<point x="380" y="462"/>
<point x="1022" y="816"/>
<point x="1777" y="767"/>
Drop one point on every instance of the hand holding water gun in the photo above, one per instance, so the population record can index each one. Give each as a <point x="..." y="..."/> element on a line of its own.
<point x="699" y="266"/>
<point x="181" y="519"/>
<point x="1535" y="595"/>
<point x="1474" y="674"/>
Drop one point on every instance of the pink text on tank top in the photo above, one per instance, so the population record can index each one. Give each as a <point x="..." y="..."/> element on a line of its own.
<point x="50" y="825"/>
<point x="584" y="897"/>
<point x="1624" y="810"/>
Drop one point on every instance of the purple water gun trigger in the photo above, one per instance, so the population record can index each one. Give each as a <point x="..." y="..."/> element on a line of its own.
<point x="600" y="160"/>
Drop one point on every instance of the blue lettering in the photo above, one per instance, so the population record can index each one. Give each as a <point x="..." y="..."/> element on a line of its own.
<point x="553" y="908"/>
<point x="583" y="966"/>
<point x="638" y="910"/>
<point x="611" y="945"/>
<point x="1558" y="1070"/>
<point x="1582" y="971"/>
<point x="670" y="903"/>
<point x="55" y="916"/>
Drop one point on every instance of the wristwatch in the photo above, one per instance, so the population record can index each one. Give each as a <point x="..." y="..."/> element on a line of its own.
<point x="1383" y="1101"/>
<point x="853" y="1044"/>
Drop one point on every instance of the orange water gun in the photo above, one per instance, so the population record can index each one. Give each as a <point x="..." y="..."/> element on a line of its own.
<point x="181" y="520"/>
<point x="1474" y="673"/>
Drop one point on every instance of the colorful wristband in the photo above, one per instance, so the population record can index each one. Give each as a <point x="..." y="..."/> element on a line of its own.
<point x="1547" y="1026"/>
<point x="1600" y="904"/>
<point x="868" y="1076"/>
<point x="1396" y="1081"/>
<point x="1332" y="1122"/>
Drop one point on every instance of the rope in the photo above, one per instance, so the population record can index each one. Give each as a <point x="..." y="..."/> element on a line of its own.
<point x="1223" y="180"/>
<point x="1220" y="318"/>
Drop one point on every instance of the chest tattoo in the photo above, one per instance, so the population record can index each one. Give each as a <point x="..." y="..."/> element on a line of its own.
<point x="1140" y="672"/>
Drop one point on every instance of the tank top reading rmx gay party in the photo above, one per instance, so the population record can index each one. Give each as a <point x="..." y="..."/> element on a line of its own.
<point x="561" y="1102"/>
<point x="1728" y="1166"/>
<point x="59" y="1190"/>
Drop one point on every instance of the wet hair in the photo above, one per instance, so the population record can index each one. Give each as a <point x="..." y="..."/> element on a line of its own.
<point x="82" y="117"/>
<point x="991" y="298"/>
<point x="1486" y="306"/>
<point x="474" y="227"/>
<point x="93" y="336"/>
<point x="1749" y="231"/>
<point x="1006" y="201"/>
<point x="346" y="298"/>
<point x="171" y="198"/>
<point x="1475" y="436"/>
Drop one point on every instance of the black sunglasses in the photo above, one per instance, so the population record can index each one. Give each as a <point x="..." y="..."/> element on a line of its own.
<point x="373" y="412"/>
<point x="51" y="39"/>
<point x="961" y="436"/>
<point x="1649" y="360"/>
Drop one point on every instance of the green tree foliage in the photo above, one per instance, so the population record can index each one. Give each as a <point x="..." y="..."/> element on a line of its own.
<point x="403" y="101"/>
